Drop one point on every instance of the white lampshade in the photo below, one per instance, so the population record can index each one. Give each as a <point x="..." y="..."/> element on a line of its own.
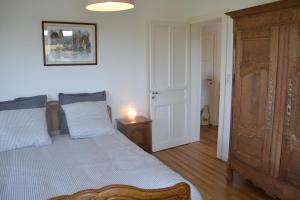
<point x="109" y="5"/>
<point x="131" y="113"/>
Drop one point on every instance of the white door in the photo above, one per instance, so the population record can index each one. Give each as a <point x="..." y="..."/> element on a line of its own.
<point x="207" y="64"/>
<point x="169" y="88"/>
<point x="211" y="72"/>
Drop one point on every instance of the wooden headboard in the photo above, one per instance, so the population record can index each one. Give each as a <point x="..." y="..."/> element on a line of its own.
<point x="53" y="116"/>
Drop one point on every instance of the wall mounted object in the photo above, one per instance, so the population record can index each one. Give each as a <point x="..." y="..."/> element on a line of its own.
<point x="69" y="43"/>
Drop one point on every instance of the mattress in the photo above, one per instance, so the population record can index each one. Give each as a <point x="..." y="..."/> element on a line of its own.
<point x="68" y="166"/>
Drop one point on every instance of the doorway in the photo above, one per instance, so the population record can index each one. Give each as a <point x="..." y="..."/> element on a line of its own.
<point x="175" y="63"/>
<point x="210" y="80"/>
<point x="217" y="78"/>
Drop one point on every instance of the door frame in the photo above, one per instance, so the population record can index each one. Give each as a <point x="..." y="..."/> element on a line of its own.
<point x="227" y="55"/>
<point x="226" y="79"/>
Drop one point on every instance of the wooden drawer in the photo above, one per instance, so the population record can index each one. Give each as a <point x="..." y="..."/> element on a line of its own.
<point x="138" y="133"/>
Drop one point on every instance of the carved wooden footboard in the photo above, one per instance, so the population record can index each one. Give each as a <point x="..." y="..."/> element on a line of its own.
<point x="181" y="191"/>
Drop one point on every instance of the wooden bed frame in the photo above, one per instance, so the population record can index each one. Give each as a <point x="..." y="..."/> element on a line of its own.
<point x="180" y="191"/>
<point x="122" y="192"/>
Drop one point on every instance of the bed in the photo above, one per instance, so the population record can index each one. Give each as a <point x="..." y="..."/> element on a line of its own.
<point x="68" y="166"/>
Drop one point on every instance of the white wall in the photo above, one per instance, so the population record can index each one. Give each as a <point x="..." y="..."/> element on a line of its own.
<point x="122" y="47"/>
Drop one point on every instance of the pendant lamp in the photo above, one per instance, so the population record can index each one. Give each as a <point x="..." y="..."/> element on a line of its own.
<point x="109" y="5"/>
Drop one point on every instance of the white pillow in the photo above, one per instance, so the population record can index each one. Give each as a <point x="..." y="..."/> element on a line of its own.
<point x="88" y="119"/>
<point x="23" y="128"/>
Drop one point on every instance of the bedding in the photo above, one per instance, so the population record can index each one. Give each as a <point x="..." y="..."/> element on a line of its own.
<point x="68" y="166"/>
<point x="24" y="103"/>
<point x="65" y="99"/>
<point x="23" y="128"/>
<point x="23" y="123"/>
<point x="81" y="97"/>
<point x="88" y="119"/>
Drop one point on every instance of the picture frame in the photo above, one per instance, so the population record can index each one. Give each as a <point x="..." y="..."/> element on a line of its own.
<point x="69" y="43"/>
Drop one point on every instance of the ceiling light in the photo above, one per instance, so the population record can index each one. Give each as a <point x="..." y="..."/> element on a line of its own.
<point x="109" y="5"/>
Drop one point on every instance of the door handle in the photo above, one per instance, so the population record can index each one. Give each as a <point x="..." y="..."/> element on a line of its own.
<point x="154" y="93"/>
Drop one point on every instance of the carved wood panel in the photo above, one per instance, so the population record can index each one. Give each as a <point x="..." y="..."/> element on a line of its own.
<point x="265" y="139"/>
<point x="180" y="191"/>
<point x="254" y="93"/>
<point x="290" y="165"/>
<point x="270" y="19"/>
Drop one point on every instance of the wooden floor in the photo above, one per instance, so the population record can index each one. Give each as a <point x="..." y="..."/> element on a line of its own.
<point x="197" y="163"/>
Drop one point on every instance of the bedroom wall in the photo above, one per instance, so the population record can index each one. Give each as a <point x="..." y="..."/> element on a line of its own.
<point x="122" y="47"/>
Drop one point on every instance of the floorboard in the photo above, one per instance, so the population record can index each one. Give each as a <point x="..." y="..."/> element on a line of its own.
<point x="197" y="163"/>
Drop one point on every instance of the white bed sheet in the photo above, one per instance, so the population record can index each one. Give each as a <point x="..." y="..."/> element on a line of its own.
<point x="68" y="166"/>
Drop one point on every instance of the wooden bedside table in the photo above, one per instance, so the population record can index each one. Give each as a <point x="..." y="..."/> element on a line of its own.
<point x="139" y="131"/>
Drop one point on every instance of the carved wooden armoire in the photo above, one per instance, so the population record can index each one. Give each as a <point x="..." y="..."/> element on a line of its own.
<point x="265" y="138"/>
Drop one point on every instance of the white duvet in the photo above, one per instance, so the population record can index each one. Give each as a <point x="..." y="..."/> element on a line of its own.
<point x="68" y="166"/>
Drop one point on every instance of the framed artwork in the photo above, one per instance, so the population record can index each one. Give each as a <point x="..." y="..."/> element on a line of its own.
<point x="69" y="43"/>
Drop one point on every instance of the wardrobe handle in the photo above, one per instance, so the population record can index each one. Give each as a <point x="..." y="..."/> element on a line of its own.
<point x="289" y="102"/>
<point x="270" y="101"/>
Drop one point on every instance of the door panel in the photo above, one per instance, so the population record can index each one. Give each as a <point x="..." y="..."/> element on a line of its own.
<point x="180" y="112"/>
<point x="254" y="87"/>
<point x="290" y="166"/>
<point x="180" y="56"/>
<point x="162" y="123"/>
<point x="254" y="94"/>
<point x="161" y="56"/>
<point x="169" y="47"/>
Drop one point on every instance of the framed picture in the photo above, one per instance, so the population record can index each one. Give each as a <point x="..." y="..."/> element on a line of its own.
<point x="69" y="43"/>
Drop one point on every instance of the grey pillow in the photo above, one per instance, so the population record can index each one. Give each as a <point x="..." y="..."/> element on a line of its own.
<point x="24" y="103"/>
<point x="65" y="99"/>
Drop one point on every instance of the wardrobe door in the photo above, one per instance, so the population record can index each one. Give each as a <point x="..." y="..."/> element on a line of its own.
<point x="290" y="161"/>
<point x="254" y="93"/>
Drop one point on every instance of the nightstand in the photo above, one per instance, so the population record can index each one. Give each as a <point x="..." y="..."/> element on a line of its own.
<point x="139" y="131"/>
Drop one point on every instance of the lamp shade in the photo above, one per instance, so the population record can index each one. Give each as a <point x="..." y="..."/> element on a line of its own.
<point x="109" y="5"/>
<point x="131" y="113"/>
